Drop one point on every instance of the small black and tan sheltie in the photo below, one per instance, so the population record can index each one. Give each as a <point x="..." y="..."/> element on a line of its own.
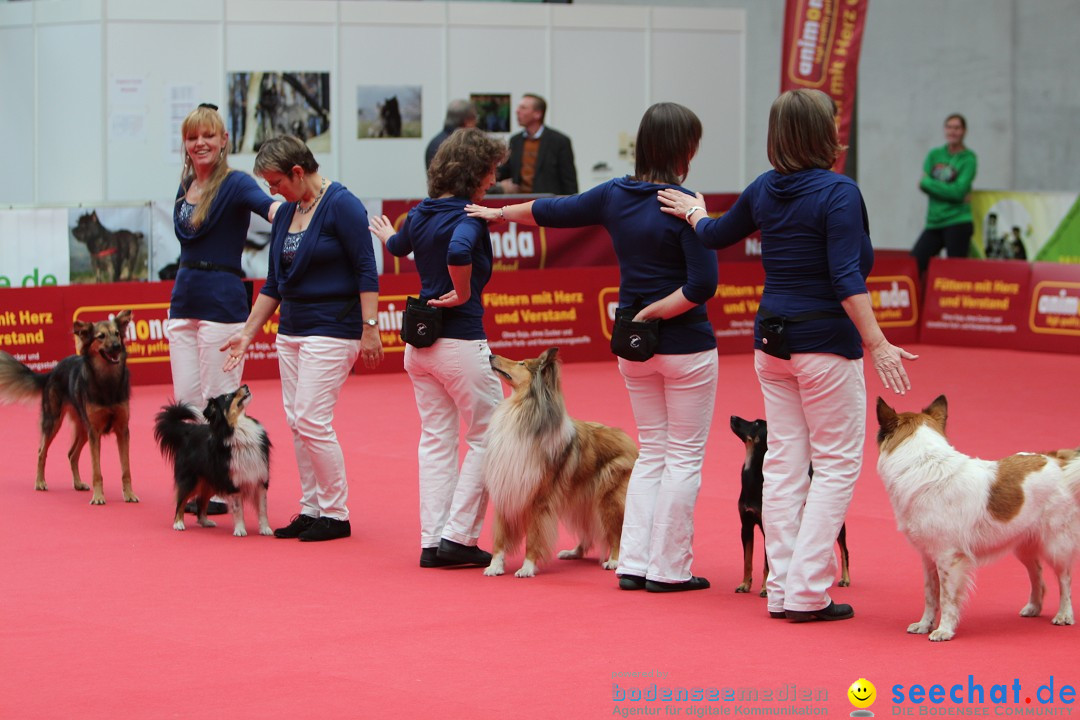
<point x="540" y="464"/>
<point x="220" y="451"/>
<point x="92" y="387"/>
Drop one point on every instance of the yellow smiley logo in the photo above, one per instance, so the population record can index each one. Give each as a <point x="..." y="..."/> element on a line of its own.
<point x="862" y="693"/>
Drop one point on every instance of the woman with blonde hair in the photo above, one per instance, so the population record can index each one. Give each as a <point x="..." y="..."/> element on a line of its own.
<point x="209" y="302"/>
<point x="814" y="322"/>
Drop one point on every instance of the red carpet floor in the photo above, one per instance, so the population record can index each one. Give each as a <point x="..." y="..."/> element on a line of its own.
<point x="108" y="612"/>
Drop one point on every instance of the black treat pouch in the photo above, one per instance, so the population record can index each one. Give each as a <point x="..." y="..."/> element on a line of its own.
<point x="774" y="336"/>
<point x="421" y="324"/>
<point x="635" y="341"/>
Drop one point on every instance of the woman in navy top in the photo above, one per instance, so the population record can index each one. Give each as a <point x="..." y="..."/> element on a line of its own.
<point x="322" y="273"/>
<point x="666" y="273"/>
<point x="452" y="379"/>
<point x="209" y="302"/>
<point x="211" y="216"/>
<point x="815" y="246"/>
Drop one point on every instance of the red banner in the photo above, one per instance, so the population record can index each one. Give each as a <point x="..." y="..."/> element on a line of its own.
<point x="822" y="40"/>
<point x="1054" y="309"/>
<point x="526" y="247"/>
<point x="976" y="303"/>
<point x="893" y="286"/>
<point x="36" y="327"/>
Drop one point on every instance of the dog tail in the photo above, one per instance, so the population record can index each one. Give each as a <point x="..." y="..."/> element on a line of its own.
<point x="172" y="425"/>
<point x="19" y="383"/>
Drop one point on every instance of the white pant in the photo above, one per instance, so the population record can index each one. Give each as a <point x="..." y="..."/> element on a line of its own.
<point x="673" y="398"/>
<point x="197" y="361"/>
<point x="815" y="405"/>
<point x="454" y="385"/>
<point x="313" y="369"/>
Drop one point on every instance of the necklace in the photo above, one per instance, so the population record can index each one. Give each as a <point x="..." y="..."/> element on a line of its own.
<point x="304" y="211"/>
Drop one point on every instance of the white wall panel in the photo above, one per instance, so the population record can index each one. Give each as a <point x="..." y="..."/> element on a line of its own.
<point x="71" y="141"/>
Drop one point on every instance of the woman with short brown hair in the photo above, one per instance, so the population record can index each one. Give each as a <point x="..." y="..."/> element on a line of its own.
<point x="813" y="324"/>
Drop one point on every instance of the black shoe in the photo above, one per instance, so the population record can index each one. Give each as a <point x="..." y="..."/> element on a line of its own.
<point x="297" y="525"/>
<point x="631" y="582"/>
<point x="326" y="528"/>
<point x="832" y="612"/>
<point x="453" y="553"/>
<point x="214" y="507"/>
<point x="694" y="583"/>
<point x="429" y="558"/>
<point x="777" y="615"/>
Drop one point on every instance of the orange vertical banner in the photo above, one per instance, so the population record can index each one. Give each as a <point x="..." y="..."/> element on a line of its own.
<point x="822" y="40"/>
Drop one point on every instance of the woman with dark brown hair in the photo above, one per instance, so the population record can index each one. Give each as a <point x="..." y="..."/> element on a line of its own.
<point x="814" y="321"/>
<point x="666" y="276"/>
<point x="451" y="378"/>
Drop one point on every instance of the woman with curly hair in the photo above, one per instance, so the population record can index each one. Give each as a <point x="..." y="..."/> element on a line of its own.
<point x="452" y="379"/>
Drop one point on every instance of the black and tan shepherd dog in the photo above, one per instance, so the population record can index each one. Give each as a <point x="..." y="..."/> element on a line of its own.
<point x="541" y="465"/>
<point x="93" y="387"/>
<point x="755" y="435"/>
<point x="220" y="451"/>
<point x="115" y="255"/>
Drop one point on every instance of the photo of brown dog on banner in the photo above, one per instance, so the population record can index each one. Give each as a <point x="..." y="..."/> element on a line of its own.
<point x="92" y="387"/>
<point x="755" y="436"/>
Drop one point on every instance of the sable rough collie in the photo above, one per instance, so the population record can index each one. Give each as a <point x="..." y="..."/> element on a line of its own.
<point x="960" y="511"/>
<point x="93" y="387"/>
<point x="541" y="464"/>
<point x="220" y="452"/>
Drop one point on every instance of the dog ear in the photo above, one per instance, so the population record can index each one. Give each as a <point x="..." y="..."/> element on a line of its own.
<point x="211" y="409"/>
<point x="549" y="364"/>
<point x="548" y="356"/>
<point x="939" y="410"/>
<point x="84" y="331"/>
<point x="122" y="319"/>
<point x="886" y="416"/>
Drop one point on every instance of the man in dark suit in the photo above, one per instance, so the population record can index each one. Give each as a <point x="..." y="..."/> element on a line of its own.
<point x="541" y="158"/>
<point x="459" y="114"/>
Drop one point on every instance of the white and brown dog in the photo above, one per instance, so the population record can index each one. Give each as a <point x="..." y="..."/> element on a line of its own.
<point x="960" y="512"/>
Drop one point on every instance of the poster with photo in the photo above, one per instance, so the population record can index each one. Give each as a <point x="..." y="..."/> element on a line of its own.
<point x="264" y="105"/>
<point x="492" y="111"/>
<point x="388" y="111"/>
<point x="108" y="244"/>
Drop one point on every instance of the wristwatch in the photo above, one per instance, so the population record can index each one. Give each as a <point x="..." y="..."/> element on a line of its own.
<point x="372" y="322"/>
<point x="691" y="211"/>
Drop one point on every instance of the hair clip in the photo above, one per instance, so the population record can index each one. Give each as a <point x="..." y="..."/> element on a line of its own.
<point x="212" y="106"/>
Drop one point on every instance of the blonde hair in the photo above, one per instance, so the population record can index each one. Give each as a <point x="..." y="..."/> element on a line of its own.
<point x="202" y="118"/>
<point x="802" y="131"/>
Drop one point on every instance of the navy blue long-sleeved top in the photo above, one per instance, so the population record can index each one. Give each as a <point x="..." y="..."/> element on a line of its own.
<point x="658" y="254"/>
<point x="334" y="263"/>
<point x="217" y="295"/>
<point x="815" y="246"/>
<point x="438" y="233"/>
